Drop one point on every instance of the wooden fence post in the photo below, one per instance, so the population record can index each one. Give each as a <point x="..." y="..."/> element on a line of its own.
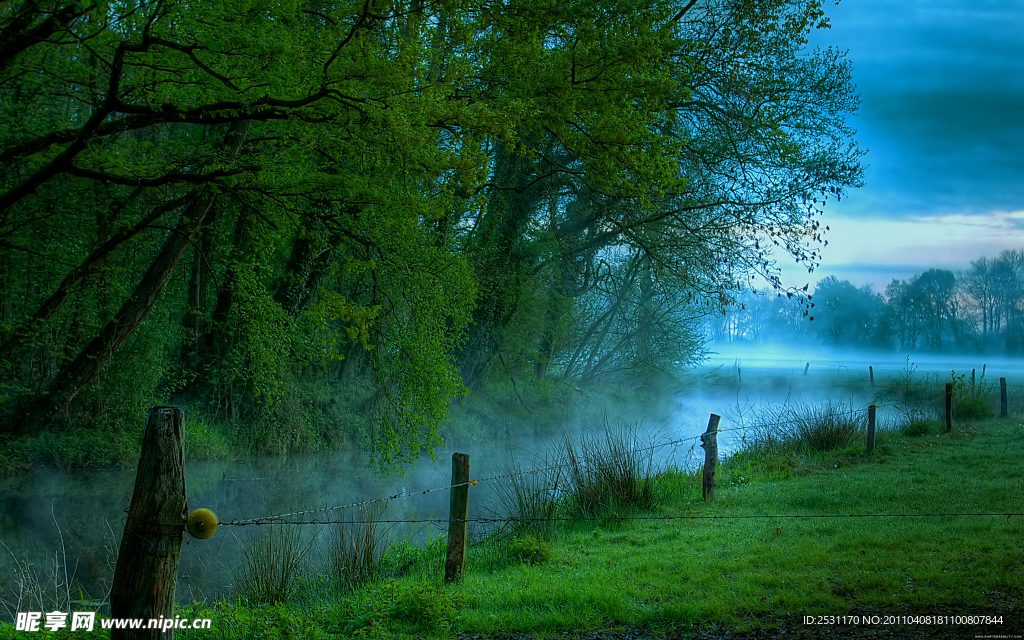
<point x="949" y="407"/>
<point x="983" y="371"/>
<point x="871" y="427"/>
<point x="1002" y="397"/>
<point x="147" y="565"/>
<point x="972" y="377"/>
<point x="871" y="374"/>
<point x="455" y="563"/>
<point x="709" y="442"/>
<point x="806" y="367"/>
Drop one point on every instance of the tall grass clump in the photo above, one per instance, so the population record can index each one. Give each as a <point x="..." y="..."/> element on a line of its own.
<point x="357" y="546"/>
<point x="272" y="565"/>
<point x="971" y="401"/>
<point x="801" y="428"/>
<point x="610" y="472"/>
<point x="529" y="500"/>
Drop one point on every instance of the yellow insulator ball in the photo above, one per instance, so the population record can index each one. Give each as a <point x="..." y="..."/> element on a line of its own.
<point x="202" y="523"/>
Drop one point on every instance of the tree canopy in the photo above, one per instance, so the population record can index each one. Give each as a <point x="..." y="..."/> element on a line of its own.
<point x="272" y="210"/>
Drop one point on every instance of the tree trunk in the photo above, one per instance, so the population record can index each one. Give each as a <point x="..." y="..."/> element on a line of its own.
<point x="91" y="360"/>
<point x="306" y="267"/>
<point x="193" y="321"/>
<point x="502" y="263"/>
<point x="12" y="347"/>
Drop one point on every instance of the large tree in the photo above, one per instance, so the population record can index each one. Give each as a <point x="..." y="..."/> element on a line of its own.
<point x="397" y="194"/>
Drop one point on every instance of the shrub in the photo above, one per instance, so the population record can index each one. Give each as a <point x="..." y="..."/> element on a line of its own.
<point x="530" y="550"/>
<point x="424" y="606"/>
<point x="971" y="401"/>
<point x="399" y="559"/>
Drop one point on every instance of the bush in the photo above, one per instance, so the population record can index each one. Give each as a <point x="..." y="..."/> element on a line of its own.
<point x="971" y="401"/>
<point x="424" y="606"/>
<point x="399" y="558"/>
<point x="530" y="550"/>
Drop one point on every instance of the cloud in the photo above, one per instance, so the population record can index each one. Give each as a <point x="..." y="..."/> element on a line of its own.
<point x="941" y="103"/>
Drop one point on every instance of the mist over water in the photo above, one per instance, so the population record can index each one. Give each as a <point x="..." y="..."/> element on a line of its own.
<point x="86" y="508"/>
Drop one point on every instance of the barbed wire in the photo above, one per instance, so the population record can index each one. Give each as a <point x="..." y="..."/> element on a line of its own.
<point x="618" y="518"/>
<point x="281" y="518"/>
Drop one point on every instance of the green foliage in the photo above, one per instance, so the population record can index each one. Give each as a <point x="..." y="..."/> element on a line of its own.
<point x="399" y="558"/>
<point x="391" y="608"/>
<point x="531" y="550"/>
<point x="971" y="401"/>
<point x="253" y="211"/>
<point x="423" y="606"/>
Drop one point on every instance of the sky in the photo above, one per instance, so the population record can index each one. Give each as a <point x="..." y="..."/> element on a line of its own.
<point x="942" y="117"/>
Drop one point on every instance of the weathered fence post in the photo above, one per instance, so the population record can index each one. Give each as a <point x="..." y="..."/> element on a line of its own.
<point x="1002" y="397"/>
<point x="983" y="371"/>
<point x="972" y="377"/>
<point x="806" y="367"/>
<point x="949" y="407"/>
<point x="147" y="565"/>
<point x="455" y="562"/>
<point x="871" y="427"/>
<point x="709" y="441"/>
<point x="871" y="374"/>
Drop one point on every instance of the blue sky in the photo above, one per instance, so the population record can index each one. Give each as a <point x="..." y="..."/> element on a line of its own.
<point x="942" y="117"/>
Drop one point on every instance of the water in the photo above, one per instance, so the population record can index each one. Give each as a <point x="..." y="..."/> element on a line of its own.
<point x="75" y="518"/>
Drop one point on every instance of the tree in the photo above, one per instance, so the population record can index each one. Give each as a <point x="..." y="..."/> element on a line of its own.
<point x="404" y="188"/>
<point x="846" y="315"/>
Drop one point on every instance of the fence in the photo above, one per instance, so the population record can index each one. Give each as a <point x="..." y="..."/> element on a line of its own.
<point x="146" y="571"/>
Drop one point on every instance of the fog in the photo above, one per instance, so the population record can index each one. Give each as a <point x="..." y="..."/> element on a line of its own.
<point x="84" y="510"/>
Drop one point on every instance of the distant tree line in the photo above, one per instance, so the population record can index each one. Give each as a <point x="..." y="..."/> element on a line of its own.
<point x="980" y="309"/>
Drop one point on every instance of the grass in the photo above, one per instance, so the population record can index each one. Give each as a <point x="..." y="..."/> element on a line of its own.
<point x="784" y="428"/>
<point x="762" y="572"/>
<point x="609" y="472"/>
<point x="528" y="499"/>
<point x="688" y="576"/>
<point x="356" y="547"/>
<point x="734" y="572"/>
<point x="272" y="565"/>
